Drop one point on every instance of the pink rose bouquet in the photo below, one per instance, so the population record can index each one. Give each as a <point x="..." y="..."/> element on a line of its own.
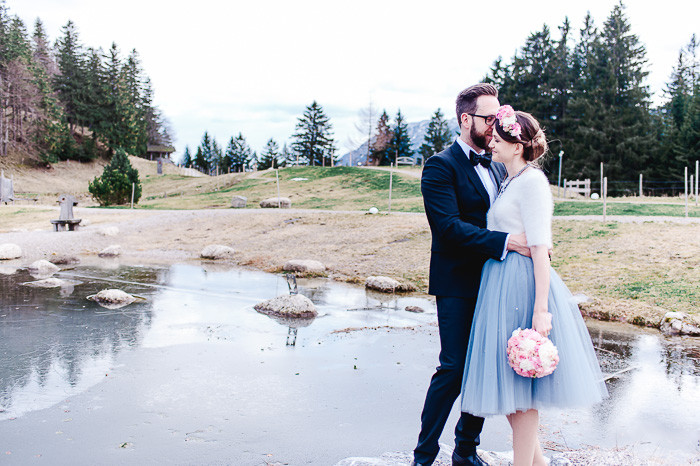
<point x="530" y="354"/>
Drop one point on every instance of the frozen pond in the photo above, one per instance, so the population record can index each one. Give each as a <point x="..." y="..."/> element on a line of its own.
<point x="194" y="370"/>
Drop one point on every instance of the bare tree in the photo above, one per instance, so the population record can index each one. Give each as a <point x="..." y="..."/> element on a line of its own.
<point x="365" y="127"/>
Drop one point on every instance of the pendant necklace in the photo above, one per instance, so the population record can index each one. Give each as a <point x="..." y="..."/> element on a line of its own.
<point x="508" y="181"/>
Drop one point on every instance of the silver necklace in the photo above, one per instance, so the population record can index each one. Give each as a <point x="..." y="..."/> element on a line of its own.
<point x="507" y="181"/>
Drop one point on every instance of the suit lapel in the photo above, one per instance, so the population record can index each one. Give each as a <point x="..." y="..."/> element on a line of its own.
<point x="463" y="161"/>
<point x="496" y="174"/>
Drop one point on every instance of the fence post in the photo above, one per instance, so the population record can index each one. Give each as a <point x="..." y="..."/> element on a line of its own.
<point x="640" y="184"/>
<point x="605" y="198"/>
<point x="697" y="175"/>
<point x="391" y="181"/>
<point x="601" y="179"/>
<point x="565" y="186"/>
<point x="279" y="202"/>
<point x="133" y="187"/>
<point x="686" y="191"/>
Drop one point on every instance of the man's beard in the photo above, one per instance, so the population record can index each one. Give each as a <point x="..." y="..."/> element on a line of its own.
<point x="479" y="139"/>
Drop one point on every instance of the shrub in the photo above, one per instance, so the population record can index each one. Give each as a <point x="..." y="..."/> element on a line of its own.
<point x="114" y="186"/>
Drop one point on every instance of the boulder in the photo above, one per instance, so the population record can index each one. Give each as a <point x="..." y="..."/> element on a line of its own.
<point x="383" y="284"/>
<point x="112" y="298"/>
<point x="42" y="268"/>
<point x="679" y="323"/>
<point x="301" y="266"/>
<point x="113" y="250"/>
<point x="108" y="231"/>
<point x="217" y="251"/>
<point x="275" y="202"/>
<point x="10" y="251"/>
<point x="239" y="202"/>
<point x="294" y="306"/>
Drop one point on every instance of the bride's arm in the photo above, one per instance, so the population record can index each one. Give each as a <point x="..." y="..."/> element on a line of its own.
<point x="541" y="318"/>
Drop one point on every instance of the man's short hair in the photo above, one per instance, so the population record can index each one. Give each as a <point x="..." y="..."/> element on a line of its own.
<point x="466" y="100"/>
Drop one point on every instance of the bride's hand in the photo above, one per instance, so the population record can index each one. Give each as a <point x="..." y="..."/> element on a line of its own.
<point x="542" y="321"/>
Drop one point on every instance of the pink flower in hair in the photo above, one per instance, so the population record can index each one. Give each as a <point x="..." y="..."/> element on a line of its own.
<point x="505" y="111"/>
<point x="515" y="129"/>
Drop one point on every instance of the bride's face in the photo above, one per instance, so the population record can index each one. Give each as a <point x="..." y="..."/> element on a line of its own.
<point x="502" y="151"/>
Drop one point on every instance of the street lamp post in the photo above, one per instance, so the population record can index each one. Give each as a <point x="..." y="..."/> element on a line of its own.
<point x="561" y="155"/>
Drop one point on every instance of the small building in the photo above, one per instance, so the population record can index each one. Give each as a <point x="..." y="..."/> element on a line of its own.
<point x="154" y="152"/>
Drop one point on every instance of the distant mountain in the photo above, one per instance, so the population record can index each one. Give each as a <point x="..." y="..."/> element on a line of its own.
<point x="416" y="133"/>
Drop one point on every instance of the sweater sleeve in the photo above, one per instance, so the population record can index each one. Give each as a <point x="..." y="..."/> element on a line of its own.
<point x="536" y="207"/>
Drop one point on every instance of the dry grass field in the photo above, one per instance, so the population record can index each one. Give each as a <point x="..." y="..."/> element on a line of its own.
<point x="631" y="271"/>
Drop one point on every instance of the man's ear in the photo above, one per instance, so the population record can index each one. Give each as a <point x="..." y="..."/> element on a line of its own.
<point x="465" y="121"/>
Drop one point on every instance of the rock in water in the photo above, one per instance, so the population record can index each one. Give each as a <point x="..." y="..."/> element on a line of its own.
<point x="10" y="251"/>
<point x="64" y="260"/>
<point x="113" y="250"/>
<point x="304" y="266"/>
<point x="416" y="309"/>
<point x="383" y="284"/>
<point x="43" y="268"/>
<point x="295" y="306"/>
<point x="53" y="282"/>
<point x="217" y="251"/>
<point x="678" y="323"/>
<point x="112" y="298"/>
<point x="275" y="202"/>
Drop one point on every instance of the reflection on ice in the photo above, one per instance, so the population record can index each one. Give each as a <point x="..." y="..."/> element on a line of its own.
<point x="55" y="344"/>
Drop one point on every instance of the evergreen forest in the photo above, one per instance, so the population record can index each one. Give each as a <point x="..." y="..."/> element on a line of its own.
<point x="68" y="101"/>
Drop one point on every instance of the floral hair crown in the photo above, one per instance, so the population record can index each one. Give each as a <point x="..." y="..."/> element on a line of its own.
<point x="506" y="117"/>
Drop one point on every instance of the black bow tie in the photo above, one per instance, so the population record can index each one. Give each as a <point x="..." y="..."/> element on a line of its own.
<point x="483" y="159"/>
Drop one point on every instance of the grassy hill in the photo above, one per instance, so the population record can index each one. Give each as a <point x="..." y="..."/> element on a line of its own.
<point x="338" y="188"/>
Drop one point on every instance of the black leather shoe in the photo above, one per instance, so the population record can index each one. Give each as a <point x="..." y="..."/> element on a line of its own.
<point x="471" y="460"/>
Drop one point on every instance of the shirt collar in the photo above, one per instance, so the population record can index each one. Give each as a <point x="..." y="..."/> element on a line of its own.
<point x="466" y="147"/>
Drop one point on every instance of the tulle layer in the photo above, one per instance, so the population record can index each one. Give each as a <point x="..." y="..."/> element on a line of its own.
<point x="506" y="299"/>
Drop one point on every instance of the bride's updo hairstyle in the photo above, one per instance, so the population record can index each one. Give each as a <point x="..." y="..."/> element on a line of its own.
<point x="519" y="127"/>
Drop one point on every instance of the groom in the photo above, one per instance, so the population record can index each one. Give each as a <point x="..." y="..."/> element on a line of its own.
<point x="459" y="184"/>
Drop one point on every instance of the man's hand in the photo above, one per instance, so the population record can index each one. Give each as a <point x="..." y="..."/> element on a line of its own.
<point x="518" y="243"/>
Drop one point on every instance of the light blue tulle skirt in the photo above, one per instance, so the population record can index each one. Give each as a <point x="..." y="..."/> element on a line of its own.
<point x="506" y="300"/>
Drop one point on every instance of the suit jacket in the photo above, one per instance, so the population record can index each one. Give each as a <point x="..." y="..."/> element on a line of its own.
<point x="456" y="203"/>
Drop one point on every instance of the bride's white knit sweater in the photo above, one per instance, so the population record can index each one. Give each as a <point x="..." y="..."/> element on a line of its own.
<point x="525" y="206"/>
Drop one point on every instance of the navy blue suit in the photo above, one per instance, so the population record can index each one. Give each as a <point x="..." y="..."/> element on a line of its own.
<point x="456" y="203"/>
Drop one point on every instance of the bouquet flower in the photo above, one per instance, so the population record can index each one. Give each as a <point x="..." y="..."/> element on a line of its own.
<point x="530" y="354"/>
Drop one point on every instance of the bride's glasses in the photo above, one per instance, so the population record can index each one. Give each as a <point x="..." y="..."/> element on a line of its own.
<point x="488" y="119"/>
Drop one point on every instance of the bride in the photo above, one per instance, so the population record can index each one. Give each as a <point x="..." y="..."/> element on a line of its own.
<point x="523" y="292"/>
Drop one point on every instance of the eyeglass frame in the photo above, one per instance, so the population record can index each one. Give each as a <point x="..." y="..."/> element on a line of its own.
<point x="486" y="118"/>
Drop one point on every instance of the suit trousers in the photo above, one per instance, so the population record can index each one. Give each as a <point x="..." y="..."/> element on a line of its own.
<point x="454" y="322"/>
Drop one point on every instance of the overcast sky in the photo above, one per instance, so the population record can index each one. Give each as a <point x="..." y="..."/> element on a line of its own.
<point x="253" y="66"/>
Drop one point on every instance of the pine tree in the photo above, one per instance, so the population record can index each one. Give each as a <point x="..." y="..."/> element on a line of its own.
<point x="400" y="144"/>
<point x="114" y="186"/>
<point x="205" y="154"/>
<point x="378" y="151"/>
<point x="269" y="156"/>
<point x="200" y="162"/>
<point x="437" y="138"/>
<point x="239" y="153"/>
<point x="187" y="158"/>
<point x="70" y="82"/>
<point x="313" y="140"/>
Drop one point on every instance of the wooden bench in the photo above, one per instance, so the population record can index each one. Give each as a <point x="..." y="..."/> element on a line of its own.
<point x="65" y="218"/>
